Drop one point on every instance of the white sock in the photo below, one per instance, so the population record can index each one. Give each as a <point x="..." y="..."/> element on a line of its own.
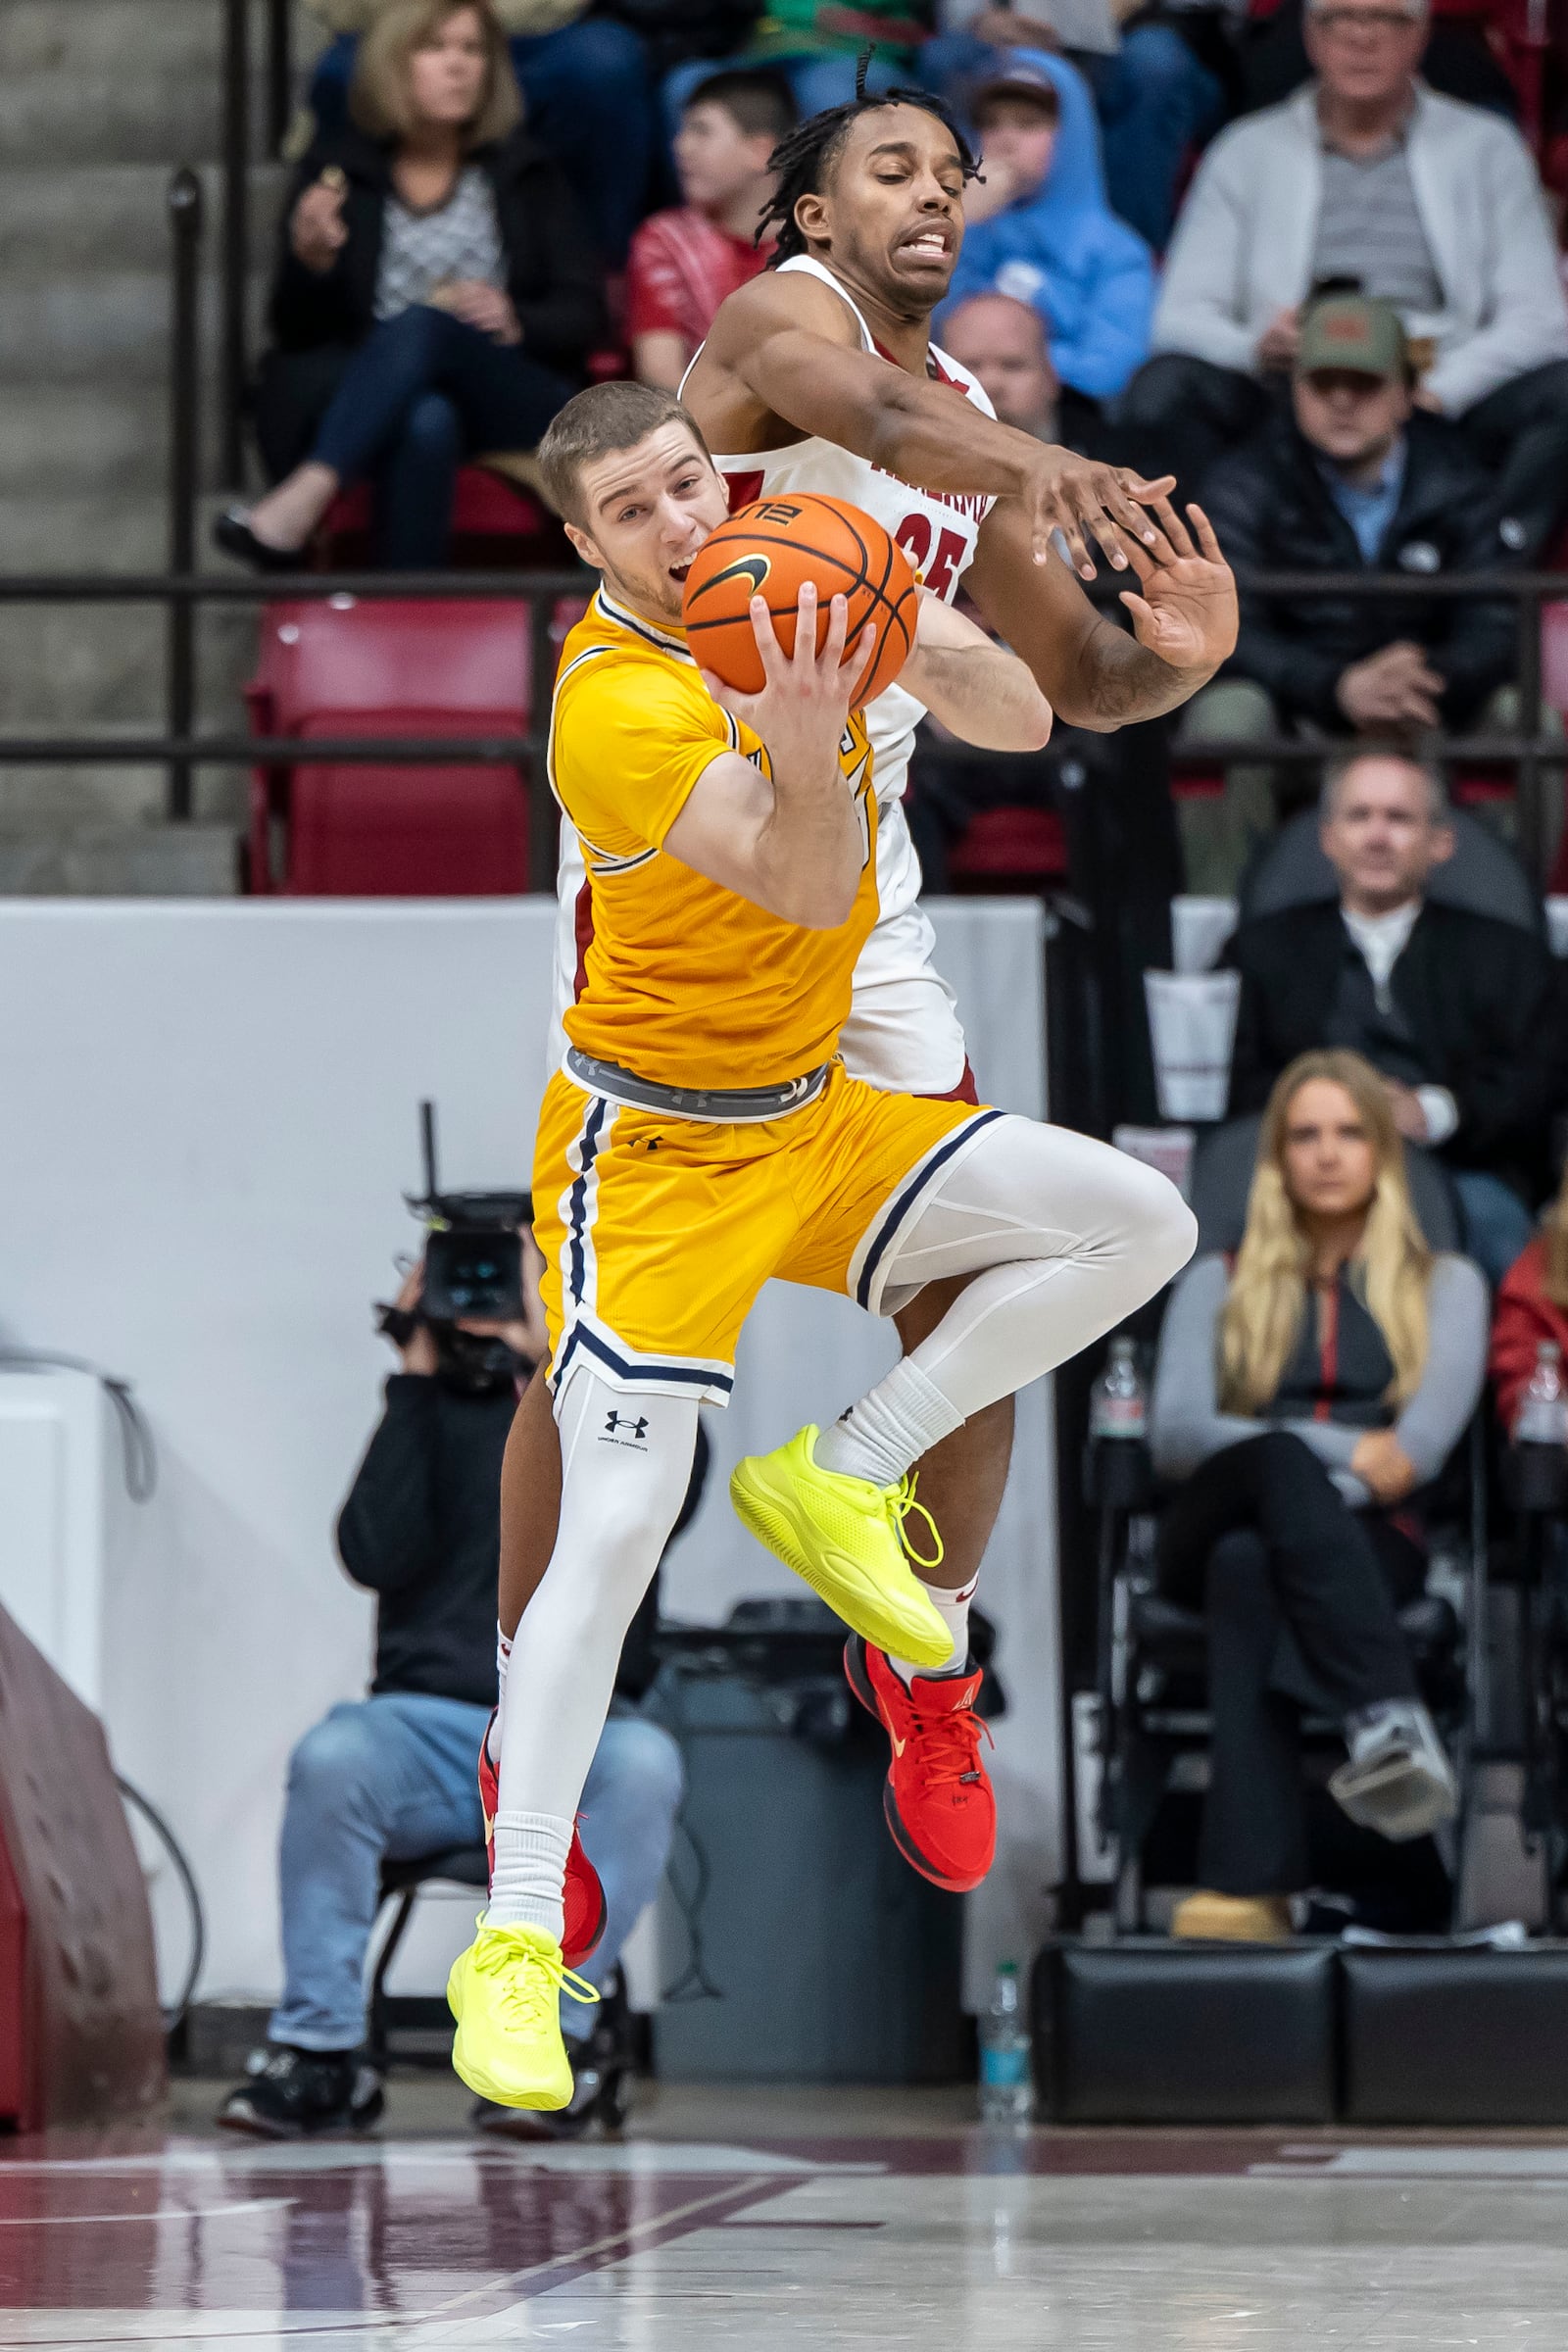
<point x="528" y="1890"/>
<point x="879" y="1439"/>
<point x="492" y="1738"/>
<point x="954" y="1610"/>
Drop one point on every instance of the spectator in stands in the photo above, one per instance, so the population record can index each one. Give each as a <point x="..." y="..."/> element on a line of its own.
<point x="585" y="81"/>
<point x="1037" y="225"/>
<point x="816" y="46"/>
<point x="1303" y="1395"/>
<point x="1353" y="477"/>
<point x="1433" y="206"/>
<point x="1532" y="1306"/>
<point x="1460" y="1012"/>
<point x="684" y="262"/>
<point x="393" y="1776"/>
<point x="436" y="298"/>
<point x="1467" y="46"/>
<point x="1156" y="96"/>
<point x="1002" y="341"/>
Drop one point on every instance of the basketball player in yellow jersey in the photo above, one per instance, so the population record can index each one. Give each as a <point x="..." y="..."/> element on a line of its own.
<point x="703" y="1137"/>
<point x="821" y="374"/>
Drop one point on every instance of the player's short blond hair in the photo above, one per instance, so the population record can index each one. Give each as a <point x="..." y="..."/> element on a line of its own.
<point x="596" y="422"/>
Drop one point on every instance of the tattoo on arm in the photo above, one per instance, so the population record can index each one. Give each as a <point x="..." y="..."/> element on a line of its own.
<point x="1127" y="682"/>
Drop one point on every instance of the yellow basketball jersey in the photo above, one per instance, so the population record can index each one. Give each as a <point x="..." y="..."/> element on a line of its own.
<point x="679" y="980"/>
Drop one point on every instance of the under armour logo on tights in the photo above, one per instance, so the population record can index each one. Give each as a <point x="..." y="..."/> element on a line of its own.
<point x="615" y="1423"/>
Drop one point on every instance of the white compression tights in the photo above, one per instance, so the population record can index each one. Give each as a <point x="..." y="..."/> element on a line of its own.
<point x="1064" y="1237"/>
<point x="625" y="1466"/>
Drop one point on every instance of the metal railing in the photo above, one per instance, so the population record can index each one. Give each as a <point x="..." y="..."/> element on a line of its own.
<point x="182" y="591"/>
<point x="1530" y="752"/>
<point x="238" y="117"/>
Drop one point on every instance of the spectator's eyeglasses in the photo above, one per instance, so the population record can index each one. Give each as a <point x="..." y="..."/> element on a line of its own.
<point x="1340" y="20"/>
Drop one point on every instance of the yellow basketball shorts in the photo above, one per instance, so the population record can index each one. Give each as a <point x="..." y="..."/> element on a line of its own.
<point x="657" y="1233"/>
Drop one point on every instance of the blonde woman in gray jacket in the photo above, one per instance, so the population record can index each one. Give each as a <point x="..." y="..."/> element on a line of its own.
<point x="1305" y="1393"/>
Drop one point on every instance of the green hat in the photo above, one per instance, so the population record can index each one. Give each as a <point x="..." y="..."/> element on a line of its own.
<point x="1354" y="332"/>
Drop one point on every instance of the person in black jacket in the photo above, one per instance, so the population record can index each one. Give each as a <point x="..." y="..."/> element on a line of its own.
<point x="1355" y="477"/>
<point x="1462" y="1014"/>
<point x="393" y="1775"/>
<point x="435" y="299"/>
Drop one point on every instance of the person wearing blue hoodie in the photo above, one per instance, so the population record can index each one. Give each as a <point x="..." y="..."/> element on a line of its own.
<point x="1038" y="225"/>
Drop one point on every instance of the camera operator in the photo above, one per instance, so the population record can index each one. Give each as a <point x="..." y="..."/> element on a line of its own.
<point x="392" y="1776"/>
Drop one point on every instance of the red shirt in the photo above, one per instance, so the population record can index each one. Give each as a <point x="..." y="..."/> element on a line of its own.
<point x="681" y="268"/>
<point x="1522" y="1317"/>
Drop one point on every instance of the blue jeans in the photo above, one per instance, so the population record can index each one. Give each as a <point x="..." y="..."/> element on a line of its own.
<point x="421" y="393"/>
<point x="393" y="1776"/>
<point x="1498" y="1226"/>
<point x="815" y="82"/>
<point x="1156" y="101"/>
<point x="587" y="91"/>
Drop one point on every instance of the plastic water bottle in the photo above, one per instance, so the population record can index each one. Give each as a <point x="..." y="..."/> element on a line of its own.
<point x="1006" y="2093"/>
<point x="1118" y="1403"/>
<point x="1542" y="1418"/>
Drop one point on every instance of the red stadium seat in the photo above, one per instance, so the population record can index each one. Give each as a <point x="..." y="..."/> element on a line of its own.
<point x="415" y="668"/>
<point x="493" y="520"/>
<point x="1555" y="656"/>
<point x="1555" y="694"/>
<point x="1198" y="783"/>
<point x="1008" y="849"/>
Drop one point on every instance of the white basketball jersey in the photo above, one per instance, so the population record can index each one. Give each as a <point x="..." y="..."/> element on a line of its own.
<point x="937" y="530"/>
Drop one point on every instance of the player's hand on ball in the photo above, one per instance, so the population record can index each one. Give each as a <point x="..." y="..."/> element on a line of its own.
<point x="808" y="694"/>
<point x="1187" y="612"/>
<point x="1087" y="501"/>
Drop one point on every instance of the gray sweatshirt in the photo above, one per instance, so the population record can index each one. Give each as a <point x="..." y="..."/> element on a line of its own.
<point x="1187" y="1425"/>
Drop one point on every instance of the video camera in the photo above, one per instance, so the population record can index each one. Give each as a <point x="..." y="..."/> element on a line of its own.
<point x="472" y="1269"/>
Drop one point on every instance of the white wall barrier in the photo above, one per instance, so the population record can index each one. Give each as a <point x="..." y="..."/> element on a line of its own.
<point x="210" y="1119"/>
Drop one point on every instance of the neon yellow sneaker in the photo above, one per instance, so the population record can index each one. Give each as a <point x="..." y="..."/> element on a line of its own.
<point x="504" y="1992"/>
<point x="847" y="1539"/>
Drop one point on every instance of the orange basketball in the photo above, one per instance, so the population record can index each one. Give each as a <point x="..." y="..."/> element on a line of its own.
<point x="773" y="548"/>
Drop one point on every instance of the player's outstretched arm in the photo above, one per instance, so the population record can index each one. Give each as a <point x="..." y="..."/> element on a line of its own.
<point x="979" y="690"/>
<point x="792" y="842"/>
<point x="774" y="339"/>
<point x="1183" y="610"/>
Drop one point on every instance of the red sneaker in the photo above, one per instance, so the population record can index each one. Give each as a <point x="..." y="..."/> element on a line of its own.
<point x="587" y="1908"/>
<point x="939" y="1802"/>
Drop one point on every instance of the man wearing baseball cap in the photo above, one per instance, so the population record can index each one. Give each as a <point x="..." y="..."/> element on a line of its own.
<point x="1354" y="474"/>
<point x="1426" y="202"/>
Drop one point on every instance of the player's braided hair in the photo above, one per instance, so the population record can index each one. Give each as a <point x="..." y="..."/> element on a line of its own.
<point x="803" y="161"/>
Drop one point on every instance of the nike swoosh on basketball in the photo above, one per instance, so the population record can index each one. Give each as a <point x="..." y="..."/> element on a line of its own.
<point x="754" y="568"/>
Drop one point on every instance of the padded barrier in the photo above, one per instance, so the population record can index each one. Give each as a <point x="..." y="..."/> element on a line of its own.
<point x="1444" y="2036"/>
<point x="1148" y="2031"/>
<point x="80" y="2034"/>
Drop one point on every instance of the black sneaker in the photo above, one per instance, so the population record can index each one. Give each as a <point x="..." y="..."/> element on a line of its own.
<point x="295" y="2094"/>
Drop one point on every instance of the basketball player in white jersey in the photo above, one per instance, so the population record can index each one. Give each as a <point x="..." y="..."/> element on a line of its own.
<point x="820" y="376"/>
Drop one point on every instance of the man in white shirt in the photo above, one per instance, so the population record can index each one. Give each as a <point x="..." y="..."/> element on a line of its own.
<point x="1366" y="175"/>
<point x="1462" y="1012"/>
